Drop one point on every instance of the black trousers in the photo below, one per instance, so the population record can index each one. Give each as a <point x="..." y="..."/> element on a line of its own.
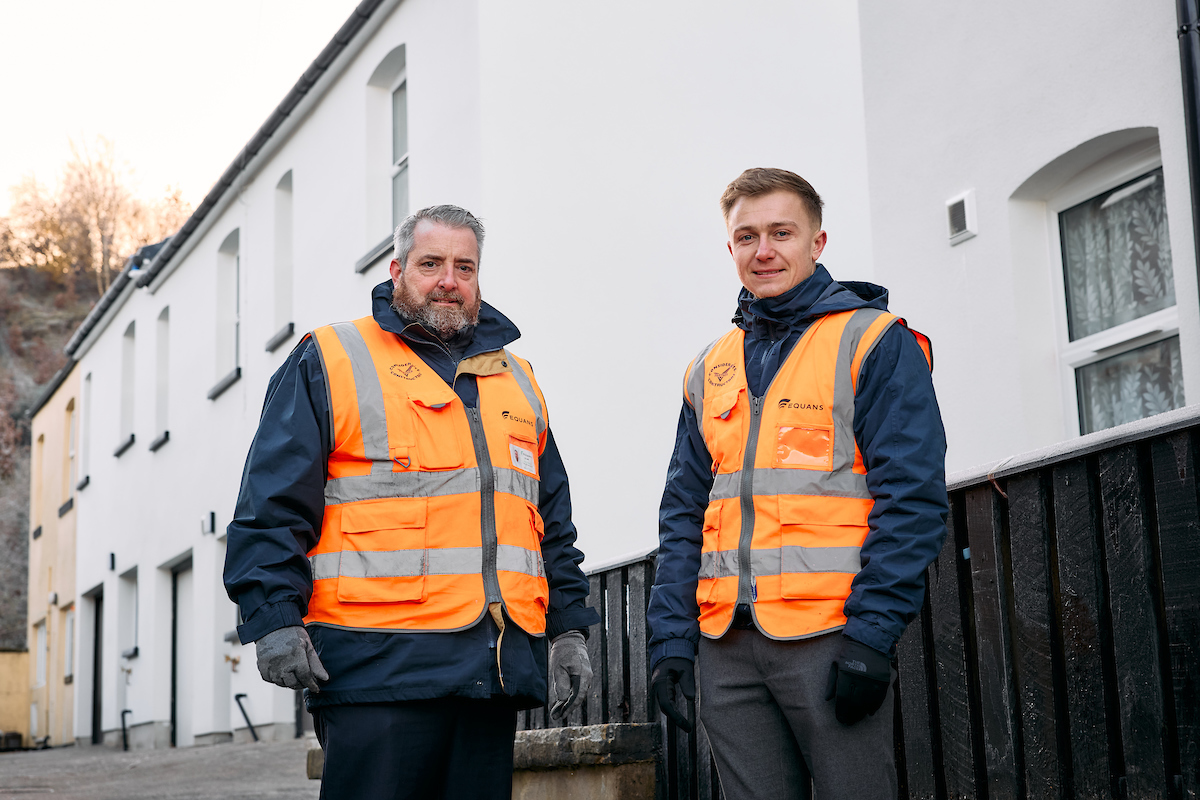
<point x="450" y="747"/>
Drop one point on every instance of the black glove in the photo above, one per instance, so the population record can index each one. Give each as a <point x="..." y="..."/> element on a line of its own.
<point x="672" y="677"/>
<point x="286" y="658"/>
<point x="859" y="681"/>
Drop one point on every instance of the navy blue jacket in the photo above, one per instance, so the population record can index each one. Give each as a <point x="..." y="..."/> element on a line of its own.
<point x="898" y="428"/>
<point x="278" y="520"/>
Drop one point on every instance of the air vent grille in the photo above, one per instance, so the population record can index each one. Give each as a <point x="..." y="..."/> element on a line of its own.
<point x="958" y="217"/>
<point x="960" y="214"/>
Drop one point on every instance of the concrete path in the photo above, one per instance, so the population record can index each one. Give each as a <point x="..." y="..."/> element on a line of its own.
<point x="233" y="771"/>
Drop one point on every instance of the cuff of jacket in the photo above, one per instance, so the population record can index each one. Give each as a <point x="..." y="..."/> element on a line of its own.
<point x="672" y="648"/>
<point x="579" y="618"/>
<point x="871" y="635"/>
<point x="270" y="617"/>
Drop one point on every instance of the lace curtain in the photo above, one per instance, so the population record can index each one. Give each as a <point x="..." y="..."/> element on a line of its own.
<point x="1117" y="257"/>
<point x="1132" y="385"/>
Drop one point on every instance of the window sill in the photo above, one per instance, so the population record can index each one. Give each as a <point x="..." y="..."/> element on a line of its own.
<point x="37" y="532"/>
<point x="130" y="653"/>
<point x="65" y="507"/>
<point x="123" y="446"/>
<point x="160" y="441"/>
<point x="373" y="256"/>
<point x="284" y="334"/>
<point x="68" y="679"/>
<point x="79" y="487"/>
<point x="225" y="383"/>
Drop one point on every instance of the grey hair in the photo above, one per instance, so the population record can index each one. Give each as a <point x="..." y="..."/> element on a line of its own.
<point x="450" y="216"/>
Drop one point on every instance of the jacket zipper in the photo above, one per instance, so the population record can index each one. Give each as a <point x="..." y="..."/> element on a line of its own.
<point x="487" y="507"/>
<point x="745" y="589"/>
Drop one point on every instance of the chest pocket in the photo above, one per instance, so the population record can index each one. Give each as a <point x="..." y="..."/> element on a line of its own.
<point x="436" y="438"/>
<point x="725" y="428"/>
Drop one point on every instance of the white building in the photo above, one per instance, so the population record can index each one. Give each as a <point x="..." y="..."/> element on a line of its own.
<point x="594" y="143"/>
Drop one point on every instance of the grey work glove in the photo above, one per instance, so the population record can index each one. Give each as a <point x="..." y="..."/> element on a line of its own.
<point x="570" y="672"/>
<point x="286" y="658"/>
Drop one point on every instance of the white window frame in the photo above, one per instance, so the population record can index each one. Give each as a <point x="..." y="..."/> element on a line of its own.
<point x="1152" y="328"/>
<point x="402" y="163"/>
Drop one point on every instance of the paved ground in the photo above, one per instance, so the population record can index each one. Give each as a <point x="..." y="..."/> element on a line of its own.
<point x="241" y="771"/>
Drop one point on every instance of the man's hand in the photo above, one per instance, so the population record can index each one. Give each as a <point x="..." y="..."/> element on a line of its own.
<point x="672" y="678"/>
<point x="286" y="658"/>
<point x="858" y="681"/>
<point x="570" y="672"/>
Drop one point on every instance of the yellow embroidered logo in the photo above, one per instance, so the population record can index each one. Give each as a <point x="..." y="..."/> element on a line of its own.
<point x="721" y="374"/>
<point x="408" y="370"/>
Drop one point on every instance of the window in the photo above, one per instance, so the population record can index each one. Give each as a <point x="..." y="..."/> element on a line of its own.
<point x="128" y="354"/>
<point x="283" y="263"/>
<point x="86" y="433"/>
<point x="1122" y="340"/>
<point x="127" y="614"/>
<point x="39" y="632"/>
<point x="400" y="152"/>
<point x="69" y="643"/>
<point x="38" y="468"/>
<point x="387" y="153"/>
<point x="229" y="314"/>
<point x="162" y="363"/>
<point x="69" y="441"/>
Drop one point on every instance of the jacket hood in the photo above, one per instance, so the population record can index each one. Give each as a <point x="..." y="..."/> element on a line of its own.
<point x="493" y="332"/>
<point x="815" y="296"/>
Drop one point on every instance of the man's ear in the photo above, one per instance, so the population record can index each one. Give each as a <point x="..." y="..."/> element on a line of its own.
<point x="395" y="269"/>
<point x="819" y="242"/>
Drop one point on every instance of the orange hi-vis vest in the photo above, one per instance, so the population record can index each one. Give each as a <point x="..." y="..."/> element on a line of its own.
<point x="787" y="514"/>
<point x="431" y="515"/>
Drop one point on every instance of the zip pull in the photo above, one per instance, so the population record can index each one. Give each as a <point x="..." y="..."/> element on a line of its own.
<point x="755" y="405"/>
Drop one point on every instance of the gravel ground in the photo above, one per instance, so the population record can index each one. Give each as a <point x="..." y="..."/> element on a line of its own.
<point x="260" y="770"/>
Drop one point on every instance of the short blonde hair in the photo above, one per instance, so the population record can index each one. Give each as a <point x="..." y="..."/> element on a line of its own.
<point x="764" y="180"/>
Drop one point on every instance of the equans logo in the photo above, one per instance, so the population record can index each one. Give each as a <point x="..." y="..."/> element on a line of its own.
<point x="787" y="403"/>
<point x="721" y="374"/>
<point x="515" y="418"/>
<point x="408" y="370"/>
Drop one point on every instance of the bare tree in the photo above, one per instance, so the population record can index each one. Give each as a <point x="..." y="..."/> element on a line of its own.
<point x="89" y="223"/>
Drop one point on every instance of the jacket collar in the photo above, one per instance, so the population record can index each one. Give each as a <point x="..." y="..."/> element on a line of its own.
<point x="493" y="332"/>
<point x="815" y="296"/>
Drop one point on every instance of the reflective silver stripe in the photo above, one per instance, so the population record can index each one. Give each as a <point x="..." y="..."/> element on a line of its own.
<point x="325" y="565"/>
<point x="439" y="483"/>
<point x="371" y="415"/>
<point x="719" y="563"/>
<point x="843" y="387"/>
<point x="511" y="558"/>
<point x="792" y="481"/>
<point x="807" y="559"/>
<point x="695" y="377"/>
<point x="411" y="563"/>
<point x="526" y="385"/>
<point x="510" y="481"/>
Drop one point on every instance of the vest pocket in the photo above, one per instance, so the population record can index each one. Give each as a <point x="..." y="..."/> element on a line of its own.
<point x="523" y="455"/>
<point x="436" y="434"/>
<point x="817" y="561"/>
<point x="384" y="556"/>
<point x="725" y="428"/>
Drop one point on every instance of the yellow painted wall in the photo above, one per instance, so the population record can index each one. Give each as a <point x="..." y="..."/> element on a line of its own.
<point x="53" y="477"/>
<point x="14" y="693"/>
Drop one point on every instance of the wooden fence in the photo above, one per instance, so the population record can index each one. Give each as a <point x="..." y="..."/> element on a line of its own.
<point x="1057" y="654"/>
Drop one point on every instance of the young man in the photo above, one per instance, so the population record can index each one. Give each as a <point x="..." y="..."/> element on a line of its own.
<point x="805" y="498"/>
<point x="404" y="503"/>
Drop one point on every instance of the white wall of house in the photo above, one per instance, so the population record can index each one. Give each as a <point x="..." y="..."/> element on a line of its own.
<point x="1018" y="102"/>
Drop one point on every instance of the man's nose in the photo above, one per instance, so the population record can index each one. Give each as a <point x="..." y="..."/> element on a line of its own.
<point x="765" y="249"/>
<point x="446" y="278"/>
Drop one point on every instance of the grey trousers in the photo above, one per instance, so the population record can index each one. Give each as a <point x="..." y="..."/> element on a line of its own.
<point x="773" y="733"/>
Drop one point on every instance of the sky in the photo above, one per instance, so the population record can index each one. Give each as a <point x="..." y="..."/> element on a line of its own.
<point x="178" y="88"/>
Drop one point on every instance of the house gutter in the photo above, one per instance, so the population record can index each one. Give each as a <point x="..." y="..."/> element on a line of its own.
<point x="1189" y="62"/>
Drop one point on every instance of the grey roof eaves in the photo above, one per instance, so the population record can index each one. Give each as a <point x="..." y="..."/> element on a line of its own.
<point x="253" y="153"/>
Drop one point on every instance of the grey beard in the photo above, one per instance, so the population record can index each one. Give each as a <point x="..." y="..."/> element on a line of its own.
<point x="443" y="322"/>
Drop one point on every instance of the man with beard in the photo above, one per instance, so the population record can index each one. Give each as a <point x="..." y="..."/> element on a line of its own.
<point x="402" y="545"/>
<point x="804" y="500"/>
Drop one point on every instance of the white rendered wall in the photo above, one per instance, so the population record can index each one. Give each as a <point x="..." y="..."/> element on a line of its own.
<point x="983" y="96"/>
<point x="609" y="133"/>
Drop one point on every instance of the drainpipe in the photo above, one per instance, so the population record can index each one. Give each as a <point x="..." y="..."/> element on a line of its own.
<point x="1189" y="61"/>
<point x="249" y="724"/>
<point x="124" y="730"/>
